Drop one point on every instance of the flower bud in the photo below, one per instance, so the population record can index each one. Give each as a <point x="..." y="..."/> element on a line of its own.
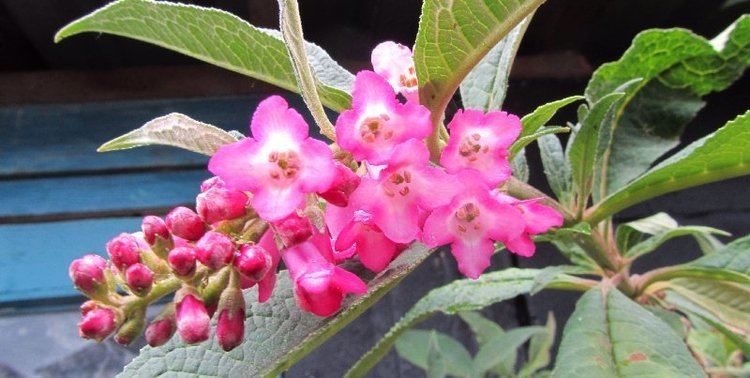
<point x="253" y="262"/>
<point x="153" y="226"/>
<point x="213" y="182"/>
<point x="124" y="251"/>
<point x="88" y="274"/>
<point x="218" y="204"/>
<point x="132" y="327"/>
<point x="191" y="317"/>
<point x="293" y="229"/>
<point x="182" y="261"/>
<point x="139" y="278"/>
<point x="97" y="322"/>
<point x="230" y="329"/>
<point x="214" y="250"/>
<point x="343" y="185"/>
<point x="185" y="223"/>
<point x="162" y="328"/>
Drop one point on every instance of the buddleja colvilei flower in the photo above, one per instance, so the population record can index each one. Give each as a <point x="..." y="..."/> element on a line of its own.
<point x="279" y="195"/>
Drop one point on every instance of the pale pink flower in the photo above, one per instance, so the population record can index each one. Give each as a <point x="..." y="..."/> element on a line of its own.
<point x="394" y="62"/>
<point x="480" y="142"/>
<point x="279" y="164"/>
<point x="377" y="121"/>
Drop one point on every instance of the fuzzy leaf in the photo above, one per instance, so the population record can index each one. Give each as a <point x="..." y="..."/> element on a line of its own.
<point x="657" y="240"/>
<point x="540" y="348"/>
<point x="728" y="302"/>
<point x="524" y="141"/>
<point x="541" y="115"/>
<point x="499" y="348"/>
<point x="176" y="130"/>
<point x="631" y="233"/>
<point x="414" y="346"/>
<point x="734" y="256"/>
<point x="218" y="38"/>
<point x="485" y="330"/>
<point x="609" y="335"/>
<point x="277" y="334"/>
<point x="556" y="167"/>
<point x="436" y="363"/>
<point x="520" y="167"/>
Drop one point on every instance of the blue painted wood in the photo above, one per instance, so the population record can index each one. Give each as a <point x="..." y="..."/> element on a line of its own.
<point x="35" y="257"/>
<point x="99" y="193"/>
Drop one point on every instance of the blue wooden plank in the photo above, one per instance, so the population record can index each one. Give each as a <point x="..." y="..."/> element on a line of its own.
<point x="56" y="138"/>
<point x="36" y="256"/>
<point x="99" y="193"/>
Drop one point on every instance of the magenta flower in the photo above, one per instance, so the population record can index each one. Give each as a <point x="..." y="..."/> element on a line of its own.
<point x="160" y="330"/>
<point x="139" y="278"/>
<point x="214" y="250"/>
<point x="218" y="204"/>
<point x="471" y="222"/>
<point x="182" y="260"/>
<point x="185" y="223"/>
<point x="279" y="164"/>
<point x="97" y="322"/>
<point x="153" y="226"/>
<point x="252" y="273"/>
<point x="394" y="62"/>
<point x="193" y="321"/>
<point x="377" y="121"/>
<point x="538" y="219"/>
<point x="88" y="274"/>
<point x="355" y="232"/>
<point x="406" y="186"/>
<point x="480" y="142"/>
<point x="124" y="250"/>
<point x="342" y="187"/>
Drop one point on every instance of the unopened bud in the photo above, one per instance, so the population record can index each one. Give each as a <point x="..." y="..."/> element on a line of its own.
<point x="185" y="223"/>
<point x="293" y="229"/>
<point x="213" y="182"/>
<point x="88" y="274"/>
<point x="218" y="204"/>
<point x="343" y="186"/>
<point x="182" y="261"/>
<point x="124" y="251"/>
<point x="230" y="329"/>
<point x="253" y="261"/>
<point x="132" y="327"/>
<point x="97" y="322"/>
<point x="162" y="328"/>
<point x="191" y="317"/>
<point x="153" y="226"/>
<point x="139" y="278"/>
<point x="214" y="250"/>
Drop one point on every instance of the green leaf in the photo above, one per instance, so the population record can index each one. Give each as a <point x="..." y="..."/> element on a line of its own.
<point x="716" y="157"/>
<point x="677" y="68"/>
<point x="631" y="233"/>
<point x="539" y="348"/>
<point x="657" y="240"/>
<point x="174" y="129"/>
<point x="524" y="141"/>
<point x="693" y="271"/>
<point x="519" y="166"/>
<point x="484" y="88"/>
<point x="729" y="302"/>
<point x="734" y="256"/>
<point x="541" y="115"/>
<point x="218" y="38"/>
<point x="453" y="36"/>
<point x="458" y="296"/>
<point x="436" y="364"/>
<point x="709" y="345"/>
<point x="556" y="167"/>
<point x="609" y="335"/>
<point x="414" y="346"/>
<point x="671" y="318"/>
<point x="309" y="85"/>
<point x="277" y="334"/>
<point x="557" y="275"/>
<point x="485" y="330"/>
<point x="734" y="338"/>
<point x="499" y="348"/>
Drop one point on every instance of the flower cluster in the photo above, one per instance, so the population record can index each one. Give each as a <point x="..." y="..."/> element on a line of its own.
<point x="279" y="195"/>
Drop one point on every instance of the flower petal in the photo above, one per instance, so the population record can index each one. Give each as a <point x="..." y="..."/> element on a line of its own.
<point x="232" y="163"/>
<point x="473" y="256"/>
<point x="276" y="203"/>
<point x="273" y="115"/>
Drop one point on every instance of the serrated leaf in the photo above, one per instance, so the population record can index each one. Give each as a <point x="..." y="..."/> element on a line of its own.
<point x="499" y="348"/>
<point x="453" y="36"/>
<point x="716" y="157"/>
<point x="542" y="114"/>
<point x="458" y="296"/>
<point x="414" y="346"/>
<point x="678" y="68"/>
<point x="216" y="37"/>
<point x="176" y="130"/>
<point x="277" y="332"/>
<point x="734" y="256"/>
<point x="484" y="88"/>
<point x="556" y="167"/>
<point x="729" y="302"/>
<point x="609" y="335"/>
<point x="540" y="348"/>
<point x="657" y="240"/>
<point x="524" y="141"/>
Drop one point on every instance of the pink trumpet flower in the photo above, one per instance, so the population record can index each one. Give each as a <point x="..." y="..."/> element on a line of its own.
<point x="538" y="219"/>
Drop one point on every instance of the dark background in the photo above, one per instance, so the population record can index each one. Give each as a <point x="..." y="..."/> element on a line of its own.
<point x="565" y="41"/>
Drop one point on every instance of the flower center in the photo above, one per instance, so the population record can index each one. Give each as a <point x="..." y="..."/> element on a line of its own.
<point x="471" y="146"/>
<point x="409" y="79"/>
<point x="466" y="216"/>
<point x="376" y="127"/>
<point x="398" y="183"/>
<point x="287" y="164"/>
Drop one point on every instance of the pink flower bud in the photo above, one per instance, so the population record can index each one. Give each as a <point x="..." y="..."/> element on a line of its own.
<point x="192" y="318"/>
<point x="218" y="204"/>
<point x="253" y="261"/>
<point x="322" y="292"/>
<point x="185" y="223"/>
<point x="293" y="229"/>
<point x="213" y="182"/>
<point x="182" y="261"/>
<point x="87" y="273"/>
<point x="214" y="250"/>
<point x="139" y="278"/>
<point x="160" y="331"/>
<point x="124" y="251"/>
<point x="97" y="322"/>
<point x="230" y="329"/>
<point x="343" y="185"/>
<point x="153" y="226"/>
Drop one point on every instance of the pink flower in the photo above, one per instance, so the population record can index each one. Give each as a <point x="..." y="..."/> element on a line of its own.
<point x="193" y="322"/>
<point x="252" y="273"/>
<point x="480" y="142"/>
<point x="393" y="61"/>
<point x="153" y="226"/>
<point x="319" y="285"/>
<point x="88" y="273"/>
<point x="279" y="164"/>
<point x="160" y="330"/>
<point x="97" y="322"/>
<point x="356" y="233"/>
<point x="213" y="182"/>
<point x="405" y="187"/>
<point x="538" y="219"/>
<point x="377" y="121"/>
<point x="230" y="328"/>
<point x="185" y="223"/>
<point x="182" y="261"/>
<point x="214" y="250"/>
<point x="139" y="278"/>
<point x="470" y="223"/>
<point x="124" y="251"/>
<point x="293" y="229"/>
<point x="218" y="204"/>
<point x="253" y="262"/>
<point x="343" y="186"/>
